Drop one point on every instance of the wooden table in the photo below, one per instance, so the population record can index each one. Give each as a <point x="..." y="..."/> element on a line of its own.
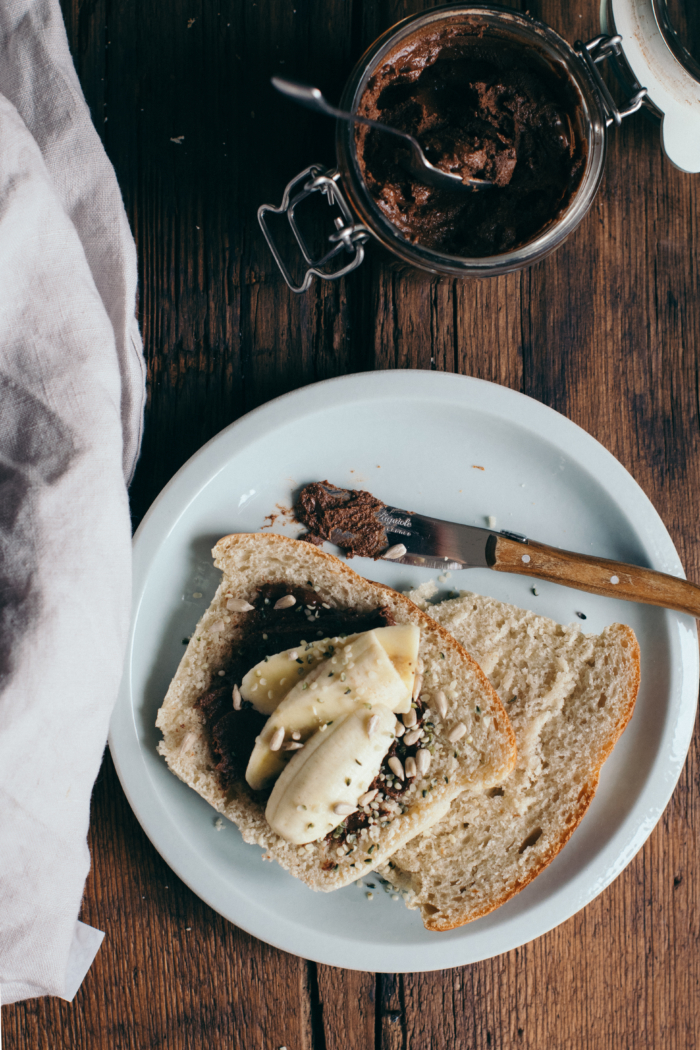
<point x="606" y="331"/>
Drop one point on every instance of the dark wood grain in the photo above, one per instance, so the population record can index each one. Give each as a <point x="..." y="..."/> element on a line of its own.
<point x="606" y="331"/>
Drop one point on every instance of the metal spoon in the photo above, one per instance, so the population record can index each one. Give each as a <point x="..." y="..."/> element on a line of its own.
<point x="417" y="162"/>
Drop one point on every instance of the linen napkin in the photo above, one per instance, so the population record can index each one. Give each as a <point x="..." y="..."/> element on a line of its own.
<point x="71" y="405"/>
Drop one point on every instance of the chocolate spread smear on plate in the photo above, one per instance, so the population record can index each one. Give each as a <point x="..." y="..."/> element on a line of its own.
<point x="346" y="517"/>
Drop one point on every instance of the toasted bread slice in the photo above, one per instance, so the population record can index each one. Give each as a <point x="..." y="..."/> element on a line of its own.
<point x="569" y="696"/>
<point x="249" y="560"/>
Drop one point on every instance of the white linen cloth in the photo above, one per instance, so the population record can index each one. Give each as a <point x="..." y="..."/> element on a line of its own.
<point x="71" y="405"/>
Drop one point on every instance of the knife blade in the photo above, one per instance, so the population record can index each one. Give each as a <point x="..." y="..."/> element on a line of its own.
<point x="437" y="544"/>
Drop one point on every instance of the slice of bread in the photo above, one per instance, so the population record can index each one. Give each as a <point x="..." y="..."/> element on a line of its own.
<point x="483" y="758"/>
<point x="569" y="696"/>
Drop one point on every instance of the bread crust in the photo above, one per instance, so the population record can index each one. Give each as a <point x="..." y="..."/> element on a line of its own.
<point x="248" y="560"/>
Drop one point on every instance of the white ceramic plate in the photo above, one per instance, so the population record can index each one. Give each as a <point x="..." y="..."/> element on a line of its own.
<point x="416" y="439"/>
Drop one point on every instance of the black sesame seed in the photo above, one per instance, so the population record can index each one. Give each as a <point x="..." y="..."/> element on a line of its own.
<point x="581" y="616"/>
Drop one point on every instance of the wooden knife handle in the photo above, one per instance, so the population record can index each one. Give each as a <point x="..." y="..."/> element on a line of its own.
<point x="613" y="579"/>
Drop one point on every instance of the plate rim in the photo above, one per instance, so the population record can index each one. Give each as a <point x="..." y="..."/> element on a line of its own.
<point x="157" y="525"/>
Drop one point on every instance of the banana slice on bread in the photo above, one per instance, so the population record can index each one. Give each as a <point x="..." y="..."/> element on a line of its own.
<point x="322" y="784"/>
<point x="358" y="673"/>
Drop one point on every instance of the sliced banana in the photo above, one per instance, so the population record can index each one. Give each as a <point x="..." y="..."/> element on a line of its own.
<point x="331" y="773"/>
<point x="359" y="674"/>
<point x="267" y="684"/>
<point x="400" y="643"/>
<point x="271" y="680"/>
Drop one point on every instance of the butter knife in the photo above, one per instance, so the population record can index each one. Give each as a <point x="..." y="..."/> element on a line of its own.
<point x="415" y="539"/>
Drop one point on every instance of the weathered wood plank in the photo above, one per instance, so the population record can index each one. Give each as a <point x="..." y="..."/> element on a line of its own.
<point x="346" y="1009"/>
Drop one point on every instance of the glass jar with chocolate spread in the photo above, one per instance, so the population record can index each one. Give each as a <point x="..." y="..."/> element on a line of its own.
<point x="489" y="94"/>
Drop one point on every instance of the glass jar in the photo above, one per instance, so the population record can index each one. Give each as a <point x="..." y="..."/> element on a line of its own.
<point x="360" y="217"/>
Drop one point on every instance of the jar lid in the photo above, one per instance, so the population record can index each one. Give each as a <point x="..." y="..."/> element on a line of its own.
<point x="661" y="65"/>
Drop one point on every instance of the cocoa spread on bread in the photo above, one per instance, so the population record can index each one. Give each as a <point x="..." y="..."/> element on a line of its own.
<point x="265" y="631"/>
<point x="483" y="106"/>
<point x="346" y="517"/>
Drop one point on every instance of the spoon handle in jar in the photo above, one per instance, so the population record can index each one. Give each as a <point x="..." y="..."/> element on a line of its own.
<point x="613" y="579"/>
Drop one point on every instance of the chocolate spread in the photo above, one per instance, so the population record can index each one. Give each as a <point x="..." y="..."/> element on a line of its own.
<point x="267" y="631"/>
<point x="484" y="106"/>
<point x="346" y="517"/>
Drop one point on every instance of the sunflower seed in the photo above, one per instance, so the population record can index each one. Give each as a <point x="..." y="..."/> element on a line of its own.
<point x="422" y="761"/>
<point x="411" y="768"/>
<point x="396" y="767"/>
<point x="238" y="605"/>
<point x="189" y="741"/>
<point x="286" y="602"/>
<point x="397" y="551"/>
<point x="457" y="732"/>
<point x="236" y="698"/>
<point x="276" y="739"/>
<point x="342" y="809"/>
<point x="441" y="703"/>
<point x="365" y="799"/>
<point x="410" y="718"/>
<point x="413" y="736"/>
<point x="293" y="745"/>
<point x="417" y="686"/>
<point x="399" y="728"/>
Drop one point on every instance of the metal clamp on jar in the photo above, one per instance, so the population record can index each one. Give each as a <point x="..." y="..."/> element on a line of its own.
<point x="636" y="42"/>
